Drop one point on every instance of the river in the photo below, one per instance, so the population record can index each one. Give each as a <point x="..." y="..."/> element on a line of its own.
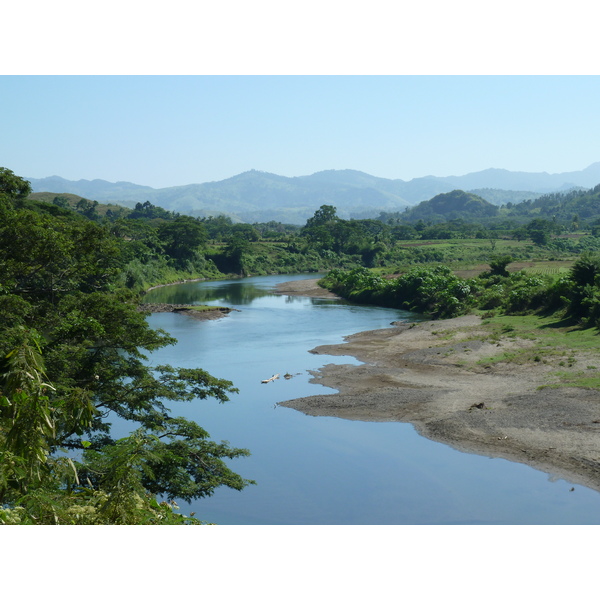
<point x="324" y="470"/>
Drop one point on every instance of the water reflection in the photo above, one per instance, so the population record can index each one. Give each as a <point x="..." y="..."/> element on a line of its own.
<point x="236" y="293"/>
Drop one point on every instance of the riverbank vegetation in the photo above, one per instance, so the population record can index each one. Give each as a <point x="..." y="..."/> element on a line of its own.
<point x="74" y="343"/>
<point x="72" y="364"/>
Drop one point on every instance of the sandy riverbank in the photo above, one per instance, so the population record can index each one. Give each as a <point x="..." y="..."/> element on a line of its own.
<point x="303" y="287"/>
<point x="428" y="374"/>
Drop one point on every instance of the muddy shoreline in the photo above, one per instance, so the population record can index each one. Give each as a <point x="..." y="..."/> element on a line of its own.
<point x="304" y="287"/>
<point x="428" y="374"/>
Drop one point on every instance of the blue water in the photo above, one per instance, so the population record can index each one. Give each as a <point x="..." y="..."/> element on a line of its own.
<point x="324" y="470"/>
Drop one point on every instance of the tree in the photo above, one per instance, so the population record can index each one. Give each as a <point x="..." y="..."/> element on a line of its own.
<point x="539" y="230"/>
<point x="87" y="208"/>
<point x="147" y="210"/>
<point x="182" y="238"/>
<point x="61" y="201"/>
<point x="540" y="237"/>
<point x="235" y="253"/>
<point x="12" y="186"/>
<point x="218" y="228"/>
<point x="584" y="292"/>
<point x="319" y="229"/>
<point x="404" y="232"/>
<point x="27" y="425"/>
<point x="586" y="270"/>
<point x="73" y="350"/>
<point x="498" y="265"/>
<point x="245" y="231"/>
<point x="322" y="216"/>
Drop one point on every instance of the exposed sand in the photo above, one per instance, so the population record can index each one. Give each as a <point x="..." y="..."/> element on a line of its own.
<point x="303" y="287"/>
<point x="427" y="374"/>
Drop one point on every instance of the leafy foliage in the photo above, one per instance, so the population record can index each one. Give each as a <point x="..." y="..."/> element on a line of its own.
<point x="73" y="350"/>
<point x="434" y="291"/>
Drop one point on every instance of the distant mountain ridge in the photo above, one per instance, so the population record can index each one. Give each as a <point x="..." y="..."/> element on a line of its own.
<point x="259" y="196"/>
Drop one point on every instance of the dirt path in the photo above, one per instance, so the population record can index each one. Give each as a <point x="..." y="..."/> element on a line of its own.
<point x="428" y="374"/>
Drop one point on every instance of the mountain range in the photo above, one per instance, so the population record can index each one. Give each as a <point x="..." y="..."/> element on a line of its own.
<point x="257" y="196"/>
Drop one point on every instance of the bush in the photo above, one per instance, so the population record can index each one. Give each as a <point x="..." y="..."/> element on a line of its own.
<point x="493" y="297"/>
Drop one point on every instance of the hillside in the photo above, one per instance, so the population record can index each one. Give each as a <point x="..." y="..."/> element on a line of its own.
<point x="256" y="196"/>
<point x="452" y="205"/>
<point x="500" y="197"/>
<point x="585" y="204"/>
<point x="71" y="201"/>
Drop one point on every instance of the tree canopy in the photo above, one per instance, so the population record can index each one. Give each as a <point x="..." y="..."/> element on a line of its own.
<point x="73" y="349"/>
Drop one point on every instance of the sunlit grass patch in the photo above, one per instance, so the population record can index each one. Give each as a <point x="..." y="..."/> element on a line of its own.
<point x="550" y="341"/>
<point x="574" y="379"/>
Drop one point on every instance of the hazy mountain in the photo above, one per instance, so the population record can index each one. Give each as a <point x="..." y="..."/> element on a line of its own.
<point x="97" y="189"/>
<point x="518" y="180"/>
<point x="259" y="196"/>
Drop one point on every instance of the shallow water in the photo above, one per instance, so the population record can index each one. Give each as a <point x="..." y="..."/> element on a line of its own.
<point x="324" y="470"/>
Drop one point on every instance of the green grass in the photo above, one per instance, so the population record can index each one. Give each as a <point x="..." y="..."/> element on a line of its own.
<point x="550" y="332"/>
<point x="576" y="379"/>
<point x="202" y="307"/>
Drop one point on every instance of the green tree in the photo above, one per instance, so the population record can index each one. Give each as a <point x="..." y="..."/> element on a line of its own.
<point x="12" y="186"/>
<point x="322" y="216"/>
<point x="27" y="424"/>
<point x="540" y="230"/>
<point x="235" y="254"/>
<point x="245" y="231"/>
<point x="73" y="350"/>
<point x="540" y="237"/>
<point x="586" y="270"/>
<point x="182" y="238"/>
<point x="404" y="232"/>
<point x="498" y="265"/>
<point x="218" y="227"/>
<point x="319" y="229"/>
<point x="88" y="208"/>
<point x="61" y="201"/>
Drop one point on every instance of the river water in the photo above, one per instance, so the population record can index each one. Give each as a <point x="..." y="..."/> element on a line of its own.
<point x="325" y="470"/>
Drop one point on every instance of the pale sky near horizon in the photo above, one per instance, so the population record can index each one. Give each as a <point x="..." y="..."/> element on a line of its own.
<point x="164" y="131"/>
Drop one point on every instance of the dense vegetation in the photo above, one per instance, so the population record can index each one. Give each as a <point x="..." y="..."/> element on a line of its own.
<point x="72" y="350"/>
<point x="439" y="293"/>
<point x="73" y="343"/>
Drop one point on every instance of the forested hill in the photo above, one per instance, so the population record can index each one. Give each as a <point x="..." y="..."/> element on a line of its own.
<point x="256" y="196"/>
<point x="453" y="205"/>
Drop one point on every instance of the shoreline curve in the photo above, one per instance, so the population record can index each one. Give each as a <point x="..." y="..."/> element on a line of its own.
<point x="428" y="374"/>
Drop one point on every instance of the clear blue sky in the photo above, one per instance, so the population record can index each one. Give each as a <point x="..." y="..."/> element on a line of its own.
<point x="296" y="88"/>
<point x="174" y="130"/>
